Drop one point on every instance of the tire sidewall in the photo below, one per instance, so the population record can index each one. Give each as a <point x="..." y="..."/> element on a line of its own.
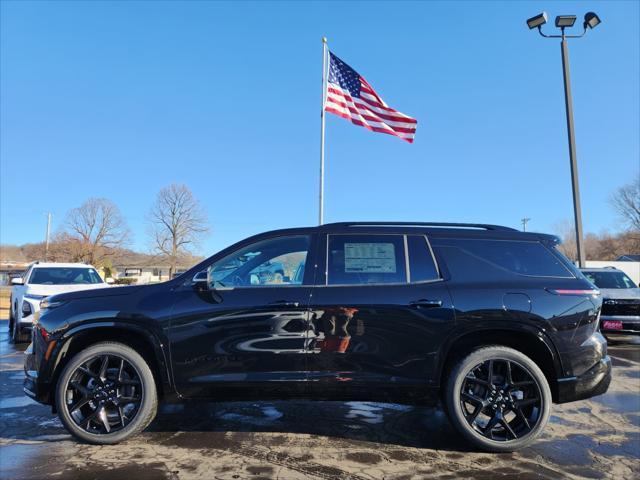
<point x="455" y="409"/>
<point x="149" y="395"/>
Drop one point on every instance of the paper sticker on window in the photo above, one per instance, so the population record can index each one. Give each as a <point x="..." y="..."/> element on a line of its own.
<point x="369" y="258"/>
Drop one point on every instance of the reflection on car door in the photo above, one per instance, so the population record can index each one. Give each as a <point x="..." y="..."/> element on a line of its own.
<point x="248" y="335"/>
<point x="368" y="338"/>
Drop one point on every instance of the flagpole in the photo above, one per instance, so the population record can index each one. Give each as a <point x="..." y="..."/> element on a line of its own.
<point x="324" y="99"/>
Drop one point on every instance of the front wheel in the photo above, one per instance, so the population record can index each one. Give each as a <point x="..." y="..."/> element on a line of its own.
<point x="16" y="335"/>
<point x="498" y="399"/>
<point x="106" y="394"/>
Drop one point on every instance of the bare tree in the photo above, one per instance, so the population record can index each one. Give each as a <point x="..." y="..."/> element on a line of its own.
<point x="626" y="201"/>
<point x="94" y="230"/>
<point x="177" y="223"/>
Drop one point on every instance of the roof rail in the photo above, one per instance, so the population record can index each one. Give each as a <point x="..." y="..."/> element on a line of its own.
<point x="480" y="226"/>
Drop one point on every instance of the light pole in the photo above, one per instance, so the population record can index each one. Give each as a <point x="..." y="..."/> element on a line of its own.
<point x="591" y="20"/>
<point x="46" y="244"/>
<point x="524" y="221"/>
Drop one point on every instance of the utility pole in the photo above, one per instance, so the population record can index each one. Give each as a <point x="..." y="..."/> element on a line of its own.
<point x="46" y="243"/>
<point x="524" y="221"/>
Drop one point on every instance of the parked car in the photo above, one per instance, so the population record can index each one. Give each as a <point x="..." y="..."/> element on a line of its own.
<point x="39" y="281"/>
<point x="620" y="316"/>
<point x="495" y="323"/>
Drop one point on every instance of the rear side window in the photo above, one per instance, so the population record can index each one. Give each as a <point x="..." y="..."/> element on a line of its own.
<point x="421" y="265"/>
<point x="366" y="259"/>
<point x="520" y="257"/>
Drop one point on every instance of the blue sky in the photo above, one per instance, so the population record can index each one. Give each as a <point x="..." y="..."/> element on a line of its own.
<point x="118" y="99"/>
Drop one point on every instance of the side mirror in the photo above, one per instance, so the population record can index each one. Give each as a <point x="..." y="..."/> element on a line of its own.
<point x="110" y="281"/>
<point x="17" y="281"/>
<point x="199" y="280"/>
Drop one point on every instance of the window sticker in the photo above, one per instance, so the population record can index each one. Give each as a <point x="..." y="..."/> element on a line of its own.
<point x="369" y="258"/>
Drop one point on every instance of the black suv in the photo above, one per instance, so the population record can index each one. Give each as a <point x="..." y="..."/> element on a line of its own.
<point x="494" y="323"/>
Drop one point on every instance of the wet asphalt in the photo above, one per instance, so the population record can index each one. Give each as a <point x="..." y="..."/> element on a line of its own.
<point x="596" y="438"/>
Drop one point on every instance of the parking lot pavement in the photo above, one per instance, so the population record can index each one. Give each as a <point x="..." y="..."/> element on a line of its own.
<point x="599" y="438"/>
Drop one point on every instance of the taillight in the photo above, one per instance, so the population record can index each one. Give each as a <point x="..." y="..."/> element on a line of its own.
<point x="565" y="291"/>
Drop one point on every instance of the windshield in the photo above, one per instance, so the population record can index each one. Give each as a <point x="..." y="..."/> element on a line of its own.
<point x="64" y="276"/>
<point x="610" y="279"/>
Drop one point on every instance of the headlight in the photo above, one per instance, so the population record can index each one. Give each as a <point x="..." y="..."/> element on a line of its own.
<point x="48" y="304"/>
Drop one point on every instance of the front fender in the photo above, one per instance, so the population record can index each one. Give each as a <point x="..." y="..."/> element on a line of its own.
<point x="143" y="339"/>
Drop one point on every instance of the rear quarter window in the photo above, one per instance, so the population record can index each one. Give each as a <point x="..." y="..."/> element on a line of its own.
<point x="479" y="257"/>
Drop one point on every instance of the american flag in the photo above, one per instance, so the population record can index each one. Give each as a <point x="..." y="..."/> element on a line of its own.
<point x="350" y="96"/>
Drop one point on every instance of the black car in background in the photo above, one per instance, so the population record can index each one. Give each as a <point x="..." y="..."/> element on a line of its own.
<point x="494" y="323"/>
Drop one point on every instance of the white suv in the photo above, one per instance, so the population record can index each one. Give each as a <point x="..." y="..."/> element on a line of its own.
<point x="40" y="281"/>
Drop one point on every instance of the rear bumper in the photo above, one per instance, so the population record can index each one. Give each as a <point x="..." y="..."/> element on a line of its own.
<point x="594" y="381"/>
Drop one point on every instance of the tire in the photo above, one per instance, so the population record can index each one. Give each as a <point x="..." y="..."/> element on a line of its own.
<point x="11" y="321"/>
<point x="16" y="334"/>
<point x="145" y="411"/>
<point x="522" y="411"/>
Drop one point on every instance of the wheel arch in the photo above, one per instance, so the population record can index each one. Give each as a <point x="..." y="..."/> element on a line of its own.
<point x="529" y="341"/>
<point x="141" y="339"/>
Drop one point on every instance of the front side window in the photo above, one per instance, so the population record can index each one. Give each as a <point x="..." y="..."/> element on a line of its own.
<point x="274" y="262"/>
<point x="610" y="279"/>
<point x="366" y="259"/>
<point x="64" y="276"/>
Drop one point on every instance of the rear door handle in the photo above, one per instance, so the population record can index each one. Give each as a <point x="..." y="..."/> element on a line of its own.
<point x="424" y="303"/>
<point x="284" y="303"/>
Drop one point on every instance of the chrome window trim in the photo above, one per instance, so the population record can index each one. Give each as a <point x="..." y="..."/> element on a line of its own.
<point x="406" y="260"/>
<point x="433" y="257"/>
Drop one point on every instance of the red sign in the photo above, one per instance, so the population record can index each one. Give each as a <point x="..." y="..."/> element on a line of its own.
<point x="612" y="325"/>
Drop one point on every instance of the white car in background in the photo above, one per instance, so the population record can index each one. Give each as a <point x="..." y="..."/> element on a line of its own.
<point x="40" y="281"/>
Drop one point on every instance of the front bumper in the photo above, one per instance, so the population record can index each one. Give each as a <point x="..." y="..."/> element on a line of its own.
<point x="630" y="324"/>
<point x="594" y="381"/>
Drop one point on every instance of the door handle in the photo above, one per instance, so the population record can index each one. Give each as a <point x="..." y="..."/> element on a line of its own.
<point x="424" y="303"/>
<point x="284" y="303"/>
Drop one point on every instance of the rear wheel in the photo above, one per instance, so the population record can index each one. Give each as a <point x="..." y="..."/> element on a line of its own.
<point x="498" y="399"/>
<point x="106" y="394"/>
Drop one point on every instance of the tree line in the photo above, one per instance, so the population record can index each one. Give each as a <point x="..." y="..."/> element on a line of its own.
<point x="96" y="232"/>
<point x="626" y="203"/>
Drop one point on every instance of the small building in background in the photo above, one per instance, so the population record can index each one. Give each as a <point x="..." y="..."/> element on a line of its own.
<point x="143" y="274"/>
<point x="10" y="269"/>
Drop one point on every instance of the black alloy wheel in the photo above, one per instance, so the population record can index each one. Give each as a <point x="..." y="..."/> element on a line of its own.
<point x="497" y="398"/>
<point x="104" y="394"/>
<point x="501" y="400"/>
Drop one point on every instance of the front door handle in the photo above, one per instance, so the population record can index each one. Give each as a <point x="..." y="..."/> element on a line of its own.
<point x="285" y="303"/>
<point x="424" y="303"/>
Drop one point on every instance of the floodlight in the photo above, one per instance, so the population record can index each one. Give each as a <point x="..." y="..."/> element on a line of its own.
<point x="591" y="20"/>
<point x="538" y="20"/>
<point x="563" y="21"/>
